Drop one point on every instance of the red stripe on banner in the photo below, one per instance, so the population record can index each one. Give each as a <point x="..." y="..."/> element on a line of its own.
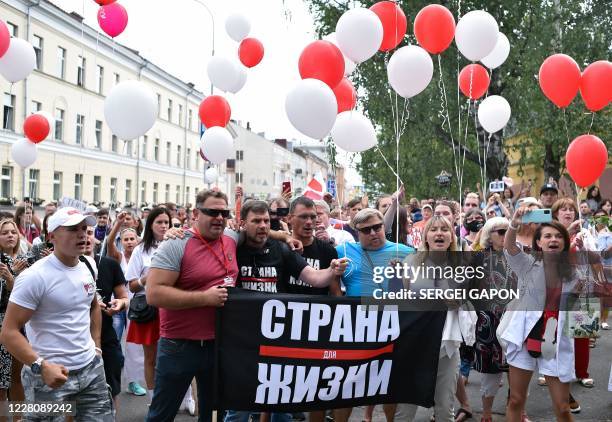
<point x="260" y="279"/>
<point x="322" y="354"/>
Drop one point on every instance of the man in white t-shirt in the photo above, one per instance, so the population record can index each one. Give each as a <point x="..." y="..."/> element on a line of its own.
<point x="55" y="299"/>
<point x="324" y="231"/>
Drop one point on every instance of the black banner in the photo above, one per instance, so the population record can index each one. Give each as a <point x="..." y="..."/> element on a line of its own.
<point x="290" y="353"/>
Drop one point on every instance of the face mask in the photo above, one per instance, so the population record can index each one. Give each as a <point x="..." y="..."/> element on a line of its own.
<point x="474" y="226"/>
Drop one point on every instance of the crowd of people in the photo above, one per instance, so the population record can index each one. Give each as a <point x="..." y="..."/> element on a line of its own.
<point x="78" y="283"/>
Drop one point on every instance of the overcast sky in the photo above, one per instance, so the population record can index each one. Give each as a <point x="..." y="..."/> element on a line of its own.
<point x="176" y="35"/>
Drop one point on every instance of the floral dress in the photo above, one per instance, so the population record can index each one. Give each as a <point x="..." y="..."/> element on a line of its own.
<point x="5" y="357"/>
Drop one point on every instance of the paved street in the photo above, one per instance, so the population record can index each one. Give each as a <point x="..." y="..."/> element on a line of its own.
<point x="596" y="402"/>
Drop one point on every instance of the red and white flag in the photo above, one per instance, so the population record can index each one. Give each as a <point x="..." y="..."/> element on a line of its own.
<point x="314" y="190"/>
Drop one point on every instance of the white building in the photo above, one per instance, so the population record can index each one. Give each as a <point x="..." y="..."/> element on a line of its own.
<point x="77" y="66"/>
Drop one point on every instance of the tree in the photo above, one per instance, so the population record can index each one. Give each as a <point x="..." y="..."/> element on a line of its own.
<point x="536" y="29"/>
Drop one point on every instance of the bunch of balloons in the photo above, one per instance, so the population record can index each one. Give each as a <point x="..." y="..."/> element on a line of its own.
<point x="217" y="144"/>
<point x="112" y="17"/>
<point x="17" y="56"/>
<point x="36" y="128"/>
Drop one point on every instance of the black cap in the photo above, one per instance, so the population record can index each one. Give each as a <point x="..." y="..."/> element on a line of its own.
<point x="547" y="187"/>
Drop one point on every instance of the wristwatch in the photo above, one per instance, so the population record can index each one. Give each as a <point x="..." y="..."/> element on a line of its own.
<point x="36" y="367"/>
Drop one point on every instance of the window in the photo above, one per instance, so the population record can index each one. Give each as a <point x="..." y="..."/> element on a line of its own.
<point x="13" y="29"/>
<point x="143" y="192"/>
<point x="114" y="143"/>
<point x="167" y="194"/>
<point x="143" y="151"/>
<point x="80" y="124"/>
<point x="81" y="72"/>
<point x="187" y="193"/>
<point x="99" y="79"/>
<point x="96" y="188"/>
<point x="57" y="185"/>
<point x="170" y="110"/>
<point x="178" y="194"/>
<point x="239" y="155"/>
<point x="98" y="134"/>
<point x="238" y="177"/>
<point x="113" y="189"/>
<point x="156" y="150"/>
<point x="155" y="187"/>
<point x="61" y="62"/>
<point x="168" y="151"/>
<point x="197" y="163"/>
<point x="128" y="190"/>
<point x="6" y="183"/>
<point x="78" y="184"/>
<point x="8" y="119"/>
<point x="116" y="78"/>
<point x="188" y="159"/>
<point x="59" y="124"/>
<point x="158" y="105"/>
<point x="178" y="155"/>
<point x="33" y="183"/>
<point x="35" y="107"/>
<point x="180" y="115"/>
<point x="190" y="121"/>
<point x="37" y="43"/>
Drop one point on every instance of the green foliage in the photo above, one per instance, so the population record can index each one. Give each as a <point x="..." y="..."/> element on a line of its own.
<point x="536" y="29"/>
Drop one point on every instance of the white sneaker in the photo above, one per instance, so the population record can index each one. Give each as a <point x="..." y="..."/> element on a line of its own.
<point x="190" y="405"/>
<point x="605" y="326"/>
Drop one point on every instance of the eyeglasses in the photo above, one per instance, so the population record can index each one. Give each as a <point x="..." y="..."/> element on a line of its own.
<point x="211" y="212"/>
<point x="368" y="230"/>
<point x="281" y="212"/>
<point x="501" y="232"/>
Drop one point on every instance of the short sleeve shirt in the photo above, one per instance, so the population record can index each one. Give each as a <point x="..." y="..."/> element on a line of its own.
<point x="319" y="255"/>
<point x="200" y="267"/>
<point x="268" y="269"/>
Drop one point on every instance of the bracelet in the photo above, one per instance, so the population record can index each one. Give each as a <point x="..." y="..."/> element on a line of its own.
<point x="139" y="283"/>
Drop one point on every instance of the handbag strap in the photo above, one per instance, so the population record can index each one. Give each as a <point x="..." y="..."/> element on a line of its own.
<point x="89" y="267"/>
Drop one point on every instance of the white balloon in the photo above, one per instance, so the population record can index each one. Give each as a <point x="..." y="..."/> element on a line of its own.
<point x="240" y="80"/>
<point x="349" y="65"/>
<point x="237" y="26"/>
<point x="130" y="109"/>
<point x="476" y="34"/>
<point x="499" y="54"/>
<point x="24" y="152"/>
<point x="18" y="61"/>
<point x="211" y="175"/>
<point x="217" y="145"/>
<point x="51" y="121"/>
<point x="410" y="70"/>
<point x="494" y="113"/>
<point x="312" y="108"/>
<point x="359" y="32"/>
<point x="223" y="73"/>
<point x="353" y="132"/>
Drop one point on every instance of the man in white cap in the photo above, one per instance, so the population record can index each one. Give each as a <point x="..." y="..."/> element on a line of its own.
<point x="55" y="299"/>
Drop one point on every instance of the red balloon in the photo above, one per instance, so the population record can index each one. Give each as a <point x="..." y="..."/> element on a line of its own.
<point x="322" y="60"/>
<point x="5" y="38"/>
<point x="596" y="85"/>
<point x="346" y="96"/>
<point x="394" y="23"/>
<point x="250" y="51"/>
<point x="113" y="19"/>
<point x="215" y="111"/>
<point x="104" y="2"/>
<point x="36" y="128"/>
<point x="434" y="28"/>
<point x="560" y="79"/>
<point x="586" y="159"/>
<point x="474" y="81"/>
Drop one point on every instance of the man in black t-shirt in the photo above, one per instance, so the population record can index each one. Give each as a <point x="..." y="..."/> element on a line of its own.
<point x="266" y="265"/>
<point x="317" y="253"/>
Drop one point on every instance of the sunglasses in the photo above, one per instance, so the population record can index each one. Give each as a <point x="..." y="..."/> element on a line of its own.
<point x="367" y="230"/>
<point x="281" y="212"/>
<point x="176" y="225"/>
<point x="501" y="232"/>
<point x="214" y="212"/>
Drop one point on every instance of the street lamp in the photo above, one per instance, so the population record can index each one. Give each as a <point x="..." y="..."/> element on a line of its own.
<point x="212" y="19"/>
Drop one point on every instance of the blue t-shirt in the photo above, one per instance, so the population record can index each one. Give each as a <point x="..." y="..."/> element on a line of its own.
<point x="360" y="274"/>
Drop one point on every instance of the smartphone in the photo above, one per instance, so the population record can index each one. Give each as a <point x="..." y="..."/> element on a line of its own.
<point x="286" y="187"/>
<point x="496" y="186"/>
<point x="538" y="216"/>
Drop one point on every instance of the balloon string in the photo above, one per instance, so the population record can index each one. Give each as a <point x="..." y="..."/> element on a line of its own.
<point x="389" y="165"/>
<point x="480" y="163"/>
<point x="591" y="125"/>
<point x="565" y="124"/>
<point x="446" y="117"/>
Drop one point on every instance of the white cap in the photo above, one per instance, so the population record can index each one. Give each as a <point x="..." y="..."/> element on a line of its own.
<point x="68" y="216"/>
<point x="91" y="210"/>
